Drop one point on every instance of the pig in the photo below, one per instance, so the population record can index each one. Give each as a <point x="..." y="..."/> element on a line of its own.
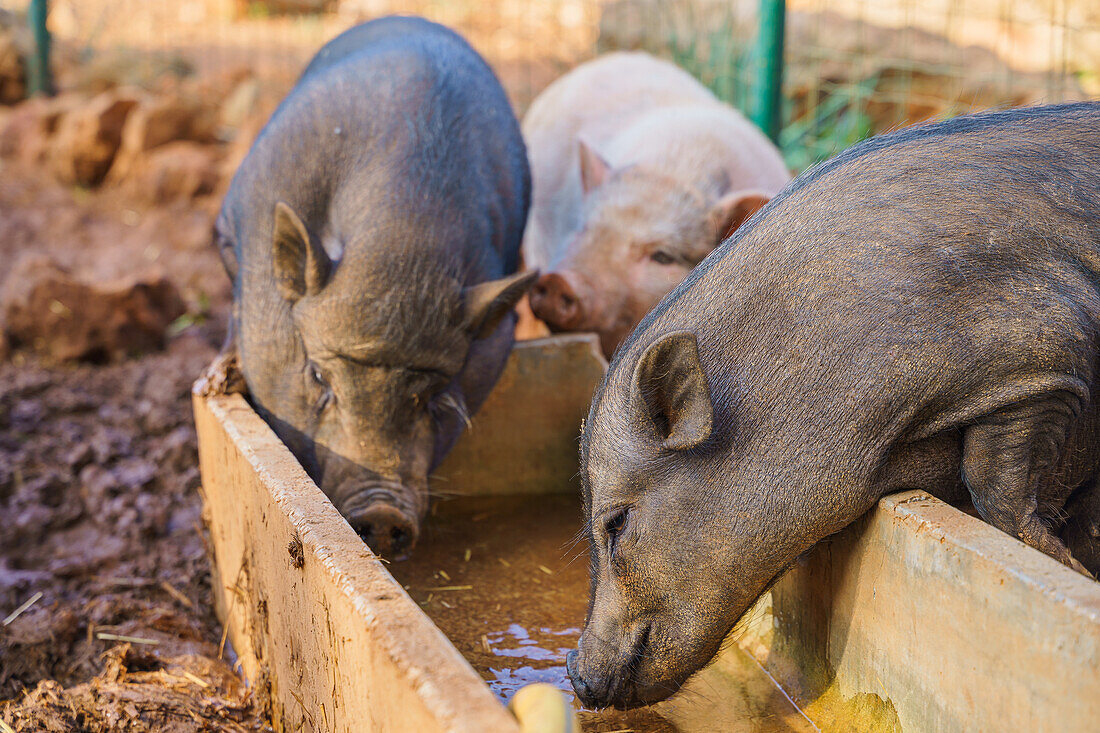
<point x="372" y="235"/>
<point x="638" y="172"/>
<point x="920" y="312"/>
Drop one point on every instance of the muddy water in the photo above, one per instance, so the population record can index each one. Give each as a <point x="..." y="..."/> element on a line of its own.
<point x="507" y="581"/>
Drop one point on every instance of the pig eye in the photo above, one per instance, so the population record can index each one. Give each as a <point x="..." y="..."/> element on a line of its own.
<point x="614" y="528"/>
<point x="662" y="258"/>
<point x="318" y="380"/>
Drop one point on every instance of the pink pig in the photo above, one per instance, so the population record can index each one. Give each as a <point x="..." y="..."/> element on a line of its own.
<point x="638" y="173"/>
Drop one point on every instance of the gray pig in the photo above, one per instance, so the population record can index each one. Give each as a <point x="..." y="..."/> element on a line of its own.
<point x="371" y="235"/>
<point x="921" y="312"/>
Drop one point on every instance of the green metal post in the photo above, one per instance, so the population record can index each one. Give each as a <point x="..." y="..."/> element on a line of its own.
<point x="39" y="80"/>
<point x="768" y="103"/>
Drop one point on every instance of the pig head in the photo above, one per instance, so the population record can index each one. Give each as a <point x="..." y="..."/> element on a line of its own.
<point x="676" y="556"/>
<point x="387" y="357"/>
<point x="643" y="231"/>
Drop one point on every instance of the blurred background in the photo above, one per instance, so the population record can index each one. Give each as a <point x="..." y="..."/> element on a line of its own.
<point x="155" y="102"/>
<point x="853" y="67"/>
<point x="112" y="299"/>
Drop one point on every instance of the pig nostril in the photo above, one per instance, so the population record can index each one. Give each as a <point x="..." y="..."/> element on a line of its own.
<point x="387" y="530"/>
<point x="580" y="686"/>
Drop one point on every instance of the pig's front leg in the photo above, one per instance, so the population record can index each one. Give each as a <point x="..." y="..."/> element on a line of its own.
<point x="223" y="376"/>
<point x="1008" y="455"/>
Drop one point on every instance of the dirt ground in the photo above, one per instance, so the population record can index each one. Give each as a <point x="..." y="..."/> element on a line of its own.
<point x="98" y="478"/>
<point x="101" y="545"/>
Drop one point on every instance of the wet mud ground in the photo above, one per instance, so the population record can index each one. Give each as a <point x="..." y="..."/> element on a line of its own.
<point x="506" y="579"/>
<point x="98" y="479"/>
<point x="100" y="514"/>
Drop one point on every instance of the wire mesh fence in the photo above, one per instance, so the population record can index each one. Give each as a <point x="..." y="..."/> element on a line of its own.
<point x="860" y="67"/>
<point x="852" y="67"/>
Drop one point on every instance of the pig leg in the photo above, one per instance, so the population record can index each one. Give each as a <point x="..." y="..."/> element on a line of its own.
<point x="1008" y="459"/>
<point x="1082" y="530"/>
<point x="223" y="376"/>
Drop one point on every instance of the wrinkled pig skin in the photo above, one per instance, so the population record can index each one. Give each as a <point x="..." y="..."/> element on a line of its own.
<point x="921" y="312"/>
<point x="372" y="234"/>
<point x="638" y="173"/>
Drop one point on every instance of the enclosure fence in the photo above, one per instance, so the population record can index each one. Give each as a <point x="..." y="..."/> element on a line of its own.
<point x="850" y="68"/>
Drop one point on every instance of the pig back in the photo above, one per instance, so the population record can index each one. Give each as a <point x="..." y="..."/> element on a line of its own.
<point x="891" y="286"/>
<point x="714" y="147"/>
<point x="399" y="137"/>
<point x="403" y="161"/>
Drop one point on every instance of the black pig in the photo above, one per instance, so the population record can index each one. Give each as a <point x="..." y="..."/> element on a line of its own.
<point x="372" y="235"/>
<point x="921" y="312"/>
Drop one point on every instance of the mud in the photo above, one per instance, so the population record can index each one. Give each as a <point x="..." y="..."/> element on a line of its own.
<point x="98" y="478"/>
<point x="506" y="579"/>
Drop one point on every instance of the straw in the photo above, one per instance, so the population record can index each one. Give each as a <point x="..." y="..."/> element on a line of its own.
<point x="118" y="637"/>
<point x="18" y="612"/>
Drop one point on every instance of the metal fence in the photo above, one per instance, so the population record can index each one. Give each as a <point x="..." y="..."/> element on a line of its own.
<point x="851" y="67"/>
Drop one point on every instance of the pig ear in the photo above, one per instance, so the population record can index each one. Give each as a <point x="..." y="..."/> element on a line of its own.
<point x="671" y="391"/>
<point x="733" y="209"/>
<point x="301" y="266"/>
<point x="594" y="168"/>
<point x="487" y="303"/>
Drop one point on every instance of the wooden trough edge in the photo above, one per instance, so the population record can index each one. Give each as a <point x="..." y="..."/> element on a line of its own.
<point x="312" y="614"/>
<point x="923" y="618"/>
<point x="911" y="613"/>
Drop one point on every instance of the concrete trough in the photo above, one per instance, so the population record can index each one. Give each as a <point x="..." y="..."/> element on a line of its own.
<point x="313" y="616"/>
<point x="918" y="617"/>
<point x="922" y="618"/>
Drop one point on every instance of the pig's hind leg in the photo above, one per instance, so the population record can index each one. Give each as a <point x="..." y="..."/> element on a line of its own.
<point x="1010" y="457"/>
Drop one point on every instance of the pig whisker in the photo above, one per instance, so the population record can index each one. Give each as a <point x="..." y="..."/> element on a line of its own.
<point x="570" y="544"/>
<point x="687" y="694"/>
<point x="574" y="558"/>
<point x="456" y="404"/>
<point x="579" y="536"/>
<point x="443" y="494"/>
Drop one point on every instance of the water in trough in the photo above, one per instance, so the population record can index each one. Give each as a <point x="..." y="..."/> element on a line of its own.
<point x="506" y="579"/>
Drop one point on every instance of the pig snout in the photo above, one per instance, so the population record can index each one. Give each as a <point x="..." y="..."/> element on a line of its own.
<point x="608" y="676"/>
<point x="585" y="694"/>
<point x="381" y="516"/>
<point x="555" y="301"/>
<point x="386" y="529"/>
